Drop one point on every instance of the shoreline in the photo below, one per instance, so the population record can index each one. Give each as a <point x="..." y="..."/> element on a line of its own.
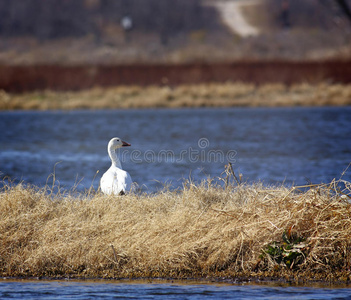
<point x="195" y="280"/>
<point x="236" y="94"/>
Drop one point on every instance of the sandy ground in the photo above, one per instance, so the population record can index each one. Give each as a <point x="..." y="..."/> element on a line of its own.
<point x="232" y="16"/>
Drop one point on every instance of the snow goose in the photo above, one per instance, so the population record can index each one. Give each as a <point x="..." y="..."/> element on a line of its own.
<point x="115" y="180"/>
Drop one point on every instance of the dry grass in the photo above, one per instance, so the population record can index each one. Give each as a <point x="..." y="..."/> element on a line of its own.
<point x="202" y="95"/>
<point x="202" y="231"/>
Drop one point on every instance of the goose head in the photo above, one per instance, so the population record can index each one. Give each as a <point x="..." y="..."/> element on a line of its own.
<point x="116" y="143"/>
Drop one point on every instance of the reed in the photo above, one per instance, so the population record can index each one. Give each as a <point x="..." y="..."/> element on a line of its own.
<point x="201" y="95"/>
<point x="206" y="230"/>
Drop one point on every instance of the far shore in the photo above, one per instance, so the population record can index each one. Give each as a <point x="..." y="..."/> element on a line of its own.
<point x="195" y="95"/>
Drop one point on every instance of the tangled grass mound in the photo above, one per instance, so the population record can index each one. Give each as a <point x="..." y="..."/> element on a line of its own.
<point x="201" y="231"/>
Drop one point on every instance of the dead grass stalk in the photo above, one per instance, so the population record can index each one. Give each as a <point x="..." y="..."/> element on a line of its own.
<point x="204" y="230"/>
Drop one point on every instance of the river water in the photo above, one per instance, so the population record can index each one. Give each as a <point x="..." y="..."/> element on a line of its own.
<point x="273" y="145"/>
<point x="280" y="145"/>
<point x="167" y="290"/>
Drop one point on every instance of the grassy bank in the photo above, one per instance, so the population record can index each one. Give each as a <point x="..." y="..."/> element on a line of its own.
<point x="202" y="95"/>
<point x="202" y="231"/>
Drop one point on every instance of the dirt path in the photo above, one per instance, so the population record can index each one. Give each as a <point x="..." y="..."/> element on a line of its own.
<point x="232" y="16"/>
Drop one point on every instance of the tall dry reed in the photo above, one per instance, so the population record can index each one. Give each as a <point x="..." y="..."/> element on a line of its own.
<point x="204" y="230"/>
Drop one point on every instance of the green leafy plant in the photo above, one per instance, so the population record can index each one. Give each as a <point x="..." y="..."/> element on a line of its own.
<point x="290" y="251"/>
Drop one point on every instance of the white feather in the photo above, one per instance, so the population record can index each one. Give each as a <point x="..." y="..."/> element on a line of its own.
<point x="115" y="180"/>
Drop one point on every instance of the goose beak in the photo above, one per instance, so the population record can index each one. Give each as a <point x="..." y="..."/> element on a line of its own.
<point x="125" y="144"/>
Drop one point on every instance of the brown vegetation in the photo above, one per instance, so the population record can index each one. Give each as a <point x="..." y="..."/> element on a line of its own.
<point x="55" y="19"/>
<point x="202" y="231"/>
<point x="82" y="32"/>
<point x="202" y="95"/>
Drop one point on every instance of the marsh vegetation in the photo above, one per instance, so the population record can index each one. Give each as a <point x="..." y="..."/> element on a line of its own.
<point x="200" y="95"/>
<point x="205" y="230"/>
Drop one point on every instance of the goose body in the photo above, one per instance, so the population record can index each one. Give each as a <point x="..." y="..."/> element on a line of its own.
<point x="115" y="180"/>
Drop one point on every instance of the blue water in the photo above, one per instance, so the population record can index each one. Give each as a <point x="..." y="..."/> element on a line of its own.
<point x="193" y="291"/>
<point x="273" y="145"/>
<point x="289" y="145"/>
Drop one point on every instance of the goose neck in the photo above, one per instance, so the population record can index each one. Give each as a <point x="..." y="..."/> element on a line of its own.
<point x="114" y="158"/>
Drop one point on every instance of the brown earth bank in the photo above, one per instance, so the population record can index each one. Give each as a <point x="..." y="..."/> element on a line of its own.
<point x="18" y="79"/>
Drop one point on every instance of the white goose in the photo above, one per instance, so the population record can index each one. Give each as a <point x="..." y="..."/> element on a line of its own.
<point x="115" y="180"/>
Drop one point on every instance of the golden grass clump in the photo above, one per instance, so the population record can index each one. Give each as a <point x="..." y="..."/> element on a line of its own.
<point x="231" y="94"/>
<point x="202" y="231"/>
